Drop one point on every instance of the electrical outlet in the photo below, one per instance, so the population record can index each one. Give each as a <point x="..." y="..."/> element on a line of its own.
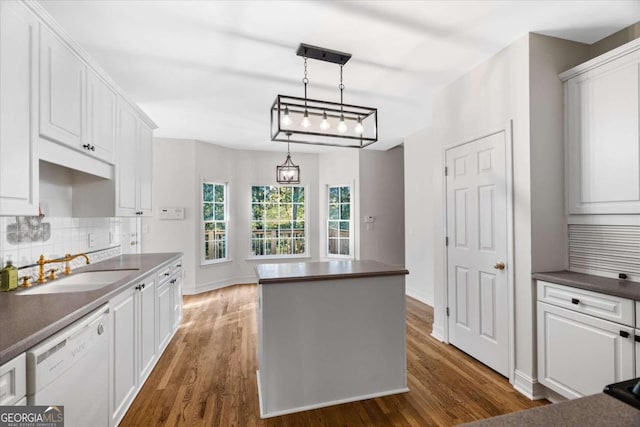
<point x="91" y="239"/>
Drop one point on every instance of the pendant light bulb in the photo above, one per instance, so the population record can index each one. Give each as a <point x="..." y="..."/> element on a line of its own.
<point x="286" y="119"/>
<point x="324" y="125"/>
<point x="342" y="126"/>
<point x="358" y="128"/>
<point x="305" y="120"/>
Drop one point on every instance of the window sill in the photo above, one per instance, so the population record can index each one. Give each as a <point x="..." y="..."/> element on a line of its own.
<point x="215" y="262"/>
<point x="344" y="257"/>
<point x="277" y="257"/>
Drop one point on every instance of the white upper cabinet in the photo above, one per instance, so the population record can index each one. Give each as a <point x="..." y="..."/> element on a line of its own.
<point x="144" y="168"/>
<point x="602" y="139"/>
<point x="101" y="109"/>
<point x="126" y="187"/>
<point x="62" y="92"/>
<point x="133" y="169"/>
<point x="18" y="110"/>
<point x="57" y="105"/>
<point x="77" y="107"/>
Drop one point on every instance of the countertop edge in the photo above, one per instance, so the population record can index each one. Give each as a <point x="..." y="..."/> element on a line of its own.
<point x="29" y="341"/>
<point x="594" y="410"/>
<point x="589" y="282"/>
<point x="315" y="278"/>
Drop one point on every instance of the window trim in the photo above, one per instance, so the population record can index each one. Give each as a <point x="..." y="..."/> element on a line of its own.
<point x="307" y="233"/>
<point x="203" y="261"/>
<point x="351" y="223"/>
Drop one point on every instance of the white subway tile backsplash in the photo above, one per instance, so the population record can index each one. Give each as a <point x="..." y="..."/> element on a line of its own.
<point x="67" y="235"/>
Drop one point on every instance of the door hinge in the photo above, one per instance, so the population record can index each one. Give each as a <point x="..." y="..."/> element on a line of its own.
<point x="447" y="311"/>
<point x="446" y="241"/>
<point x="446" y="171"/>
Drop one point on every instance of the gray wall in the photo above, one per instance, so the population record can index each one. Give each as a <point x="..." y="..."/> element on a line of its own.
<point x="181" y="165"/>
<point x="519" y="85"/>
<point x="623" y="36"/>
<point x="382" y="196"/>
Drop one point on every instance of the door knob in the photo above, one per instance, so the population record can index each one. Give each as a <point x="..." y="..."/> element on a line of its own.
<point x="499" y="266"/>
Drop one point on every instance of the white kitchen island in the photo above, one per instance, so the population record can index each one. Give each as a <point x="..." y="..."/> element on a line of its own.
<point x="329" y="333"/>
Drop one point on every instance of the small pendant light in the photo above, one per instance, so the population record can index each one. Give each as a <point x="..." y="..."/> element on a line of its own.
<point x="288" y="172"/>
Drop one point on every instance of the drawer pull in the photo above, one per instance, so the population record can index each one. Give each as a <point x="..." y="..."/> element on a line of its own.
<point x="637" y="338"/>
<point x="575" y="301"/>
<point x="624" y="334"/>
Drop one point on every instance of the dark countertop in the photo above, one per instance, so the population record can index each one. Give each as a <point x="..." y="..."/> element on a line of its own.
<point x="593" y="411"/>
<point x="605" y="285"/>
<point x="328" y="270"/>
<point x="28" y="319"/>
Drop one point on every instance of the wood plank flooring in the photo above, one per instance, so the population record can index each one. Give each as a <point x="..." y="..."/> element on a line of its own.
<point x="207" y="376"/>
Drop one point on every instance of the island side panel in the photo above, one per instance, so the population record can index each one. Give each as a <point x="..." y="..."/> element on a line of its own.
<point x="328" y="342"/>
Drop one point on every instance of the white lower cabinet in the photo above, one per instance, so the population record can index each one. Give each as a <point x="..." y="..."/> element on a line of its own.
<point x="142" y="324"/>
<point x="177" y="300"/>
<point x="133" y="348"/>
<point x="13" y="382"/>
<point x="579" y="354"/>
<point x="165" y="314"/>
<point x="123" y="378"/>
<point x="147" y="327"/>
<point x="169" y="303"/>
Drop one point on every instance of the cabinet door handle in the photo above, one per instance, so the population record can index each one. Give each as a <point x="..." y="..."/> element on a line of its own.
<point x="86" y="146"/>
<point x="636" y="338"/>
<point x="93" y="148"/>
<point x="624" y="334"/>
<point x="575" y="301"/>
<point x="137" y="288"/>
<point x="167" y="274"/>
<point x="142" y="286"/>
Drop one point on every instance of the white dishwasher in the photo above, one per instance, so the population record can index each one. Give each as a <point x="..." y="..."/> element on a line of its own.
<point x="71" y="369"/>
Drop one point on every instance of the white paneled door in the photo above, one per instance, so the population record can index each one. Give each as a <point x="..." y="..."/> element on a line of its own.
<point x="477" y="250"/>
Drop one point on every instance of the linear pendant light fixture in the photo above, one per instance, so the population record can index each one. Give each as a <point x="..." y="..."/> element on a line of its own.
<point x="318" y="122"/>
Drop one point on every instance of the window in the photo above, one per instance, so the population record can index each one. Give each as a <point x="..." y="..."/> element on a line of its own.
<point x="339" y="221"/>
<point x="278" y="221"/>
<point x="214" y="222"/>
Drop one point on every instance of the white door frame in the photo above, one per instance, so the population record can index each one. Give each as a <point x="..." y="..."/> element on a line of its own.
<point x="507" y="128"/>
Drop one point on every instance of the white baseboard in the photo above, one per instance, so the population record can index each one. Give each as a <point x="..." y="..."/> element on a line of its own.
<point x="528" y="386"/>
<point x="438" y="331"/>
<point x="420" y="296"/>
<point x="322" y="404"/>
<point x="554" y="397"/>
<point x="219" y="284"/>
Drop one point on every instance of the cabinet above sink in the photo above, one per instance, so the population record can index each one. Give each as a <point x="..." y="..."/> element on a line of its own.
<point x="59" y="106"/>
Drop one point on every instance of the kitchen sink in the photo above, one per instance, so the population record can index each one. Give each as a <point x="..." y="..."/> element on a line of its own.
<point x="80" y="282"/>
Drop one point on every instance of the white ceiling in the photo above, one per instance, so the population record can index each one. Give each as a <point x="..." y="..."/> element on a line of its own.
<point x="209" y="70"/>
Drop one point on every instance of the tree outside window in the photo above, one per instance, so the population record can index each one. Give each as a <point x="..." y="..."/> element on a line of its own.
<point x="278" y="224"/>
<point x="339" y="221"/>
<point x="214" y="222"/>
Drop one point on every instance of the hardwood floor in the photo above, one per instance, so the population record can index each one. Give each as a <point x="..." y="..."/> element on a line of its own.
<point x="207" y="376"/>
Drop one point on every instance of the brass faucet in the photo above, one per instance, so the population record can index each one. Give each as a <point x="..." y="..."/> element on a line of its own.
<point x="67" y="269"/>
